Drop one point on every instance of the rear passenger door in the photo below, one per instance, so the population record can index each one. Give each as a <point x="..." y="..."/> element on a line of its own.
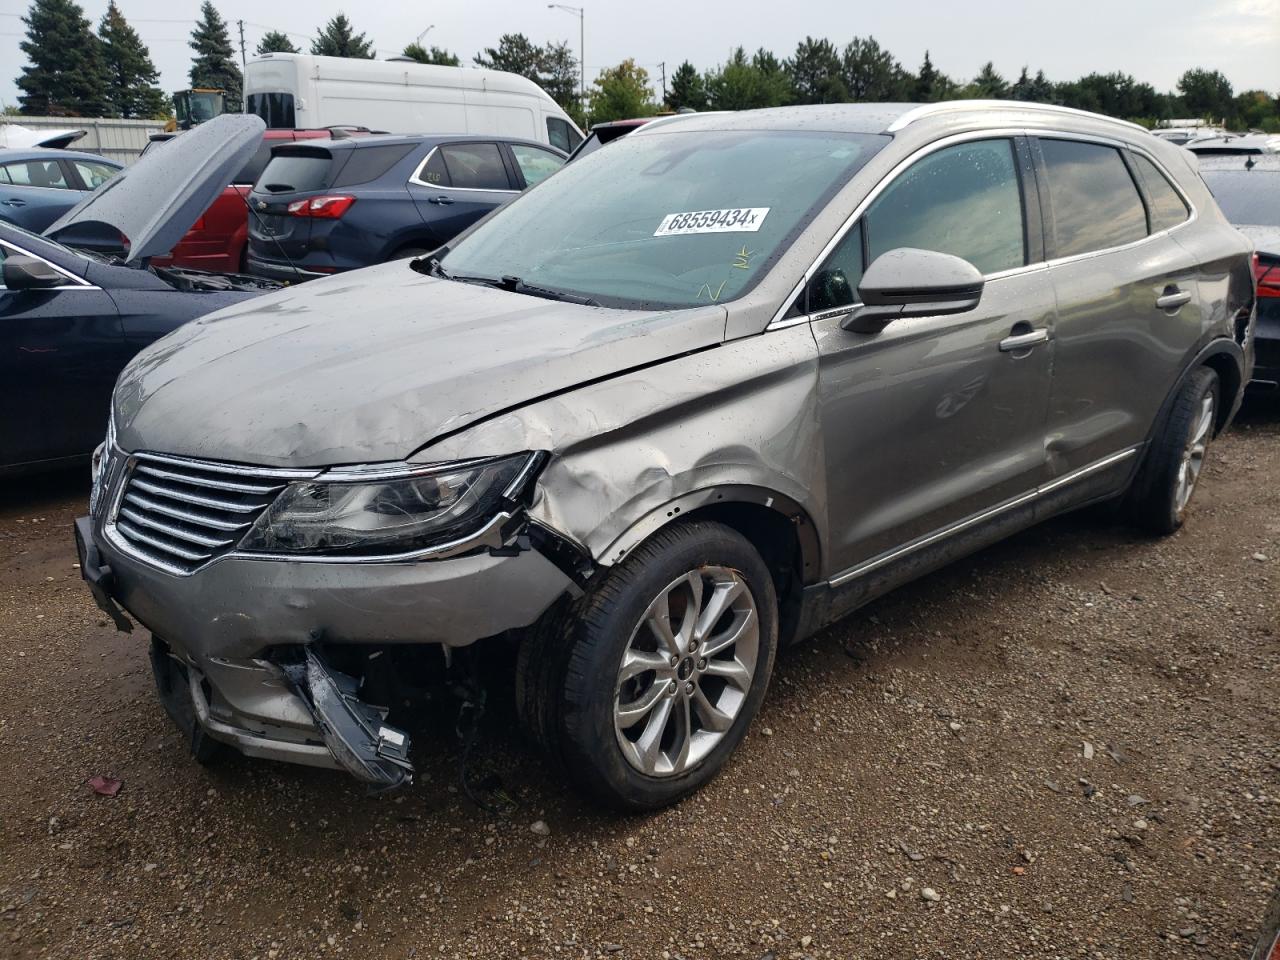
<point x="1128" y="310"/>
<point x="458" y="183"/>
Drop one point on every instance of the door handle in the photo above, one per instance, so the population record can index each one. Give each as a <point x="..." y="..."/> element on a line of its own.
<point x="14" y="202"/>
<point x="1024" y="341"/>
<point x="1173" y="298"/>
<point x="440" y="198"/>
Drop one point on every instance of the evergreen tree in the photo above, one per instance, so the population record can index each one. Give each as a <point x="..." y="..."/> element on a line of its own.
<point x="66" y="74"/>
<point x="558" y="75"/>
<point x="131" y="76"/>
<point x="622" y="92"/>
<point x="275" y="41"/>
<point x="339" y="39"/>
<point x="931" y="84"/>
<point x="743" y="84"/>
<point x="436" y="55"/>
<point x="515" y="53"/>
<point x="814" y="70"/>
<point x="687" y="89"/>
<point x="988" y="84"/>
<point x="775" y="84"/>
<point x="214" y="64"/>
<point x="872" y="73"/>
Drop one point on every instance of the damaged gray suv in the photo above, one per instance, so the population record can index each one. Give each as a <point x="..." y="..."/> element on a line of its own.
<point x="690" y="399"/>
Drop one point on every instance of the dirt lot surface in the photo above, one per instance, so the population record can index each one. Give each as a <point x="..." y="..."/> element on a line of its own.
<point x="1065" y="746"/>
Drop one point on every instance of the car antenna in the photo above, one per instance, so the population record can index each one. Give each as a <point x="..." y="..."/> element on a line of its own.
<point x="254" y="213"/>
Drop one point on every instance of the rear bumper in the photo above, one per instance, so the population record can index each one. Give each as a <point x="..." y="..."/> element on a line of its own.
<point x="1266" y="347"/>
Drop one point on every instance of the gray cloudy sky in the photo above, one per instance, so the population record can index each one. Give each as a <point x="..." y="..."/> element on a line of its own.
<point x="1155" y="40"/>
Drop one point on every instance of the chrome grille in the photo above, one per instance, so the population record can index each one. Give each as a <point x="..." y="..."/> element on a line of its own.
<point x="180" y="514"/>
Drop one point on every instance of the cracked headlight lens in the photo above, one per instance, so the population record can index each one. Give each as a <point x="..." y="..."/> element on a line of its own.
<point x="342" y="514"/>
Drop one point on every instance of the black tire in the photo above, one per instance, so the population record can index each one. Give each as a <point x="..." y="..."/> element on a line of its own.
<point x="1155" y="496"/>
<point x="567" y="672"/>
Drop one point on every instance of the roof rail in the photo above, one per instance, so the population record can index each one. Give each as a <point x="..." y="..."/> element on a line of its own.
<point x="958" y="106"/>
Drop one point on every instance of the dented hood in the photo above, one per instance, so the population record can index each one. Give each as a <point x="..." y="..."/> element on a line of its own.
<point x="155" y="201"/>
<point x="372" y="365"/>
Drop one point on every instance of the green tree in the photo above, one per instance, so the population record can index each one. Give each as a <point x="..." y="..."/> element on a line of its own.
<point x="338" y="38"/>
<point x="515" y="53"/>
<point x="931" y="84"/>
<point x="436" y="55"/>
<point x="872" y="73"/>
<point x="275" y="41"/>
<point x="814" y="70"/>
<point x="988" y="84"/>
<point x="214" y="63"/>
<point x="621" y="92"/>
<point x="558" y="75"/>
<point x="742" y="84"/>
<point x="131" y="76"/>
<point x="1206" y="93"/>
<point x="1256" y="110"/>
<point x="687" y="89"/>
<point x="66" y="73"/>
<point x="1037" y="89"/>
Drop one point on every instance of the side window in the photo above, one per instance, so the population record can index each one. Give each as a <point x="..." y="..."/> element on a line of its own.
<point x="963" y="200"/>
<point x="93" y="174"/>
<point x="475" y="166"/>
<point x="561" y="135"/>
<point x="433" y="172"/>
<point x="1167" y="208"/>
<point x="535" y="164"/>
<point x="37" y="173"/>
<point x="4" y="175"/>
<point x="836" y="282"/>
<point x="1094" y="200"/>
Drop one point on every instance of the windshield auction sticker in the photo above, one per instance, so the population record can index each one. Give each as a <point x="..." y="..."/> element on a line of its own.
<point x="738" y="220"/>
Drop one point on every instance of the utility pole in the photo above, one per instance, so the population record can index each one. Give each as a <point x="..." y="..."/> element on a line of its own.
<point x="663" y="67"/>
<point x="244" y="61"/>
<point x="582" y="45"/>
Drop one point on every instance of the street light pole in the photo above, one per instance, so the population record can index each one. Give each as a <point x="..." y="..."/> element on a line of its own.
<point x="423" y="34"/>
<point x="582" y="47"/>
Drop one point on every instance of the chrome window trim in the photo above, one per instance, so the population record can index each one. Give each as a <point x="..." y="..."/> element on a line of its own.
<point x="778" y="323"/>
<point x="867" y="566"/>
<point x="415" y="177"/>
<point x="77" y="283"/>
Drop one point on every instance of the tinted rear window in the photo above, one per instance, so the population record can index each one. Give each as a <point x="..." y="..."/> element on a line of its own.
<point x="294" y="172"/>
<point x="369" y="163"/>
<point x="1094" y="199"/>
<point x="1249" y="197"/>
<point x="275" y="108"/>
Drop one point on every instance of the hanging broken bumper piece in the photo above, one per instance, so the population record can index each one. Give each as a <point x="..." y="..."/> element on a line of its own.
<point x="352" y="729"/>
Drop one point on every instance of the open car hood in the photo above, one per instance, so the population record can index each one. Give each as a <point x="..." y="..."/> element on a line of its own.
<point x="155" y="201"/>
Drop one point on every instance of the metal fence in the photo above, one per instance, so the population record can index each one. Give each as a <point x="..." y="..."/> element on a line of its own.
<point x="119" y="140"/>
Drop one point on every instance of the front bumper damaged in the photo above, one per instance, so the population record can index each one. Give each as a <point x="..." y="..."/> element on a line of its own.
<point x="353" y="730"/>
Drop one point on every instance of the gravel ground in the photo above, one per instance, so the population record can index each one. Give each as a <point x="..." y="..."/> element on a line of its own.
<point x="1065" y="746"/>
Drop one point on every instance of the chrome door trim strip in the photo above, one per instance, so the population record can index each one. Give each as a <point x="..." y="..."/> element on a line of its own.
<point x="898" y="552"/>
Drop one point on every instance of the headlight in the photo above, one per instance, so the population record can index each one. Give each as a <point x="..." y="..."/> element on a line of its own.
<point x="390" y="512"/>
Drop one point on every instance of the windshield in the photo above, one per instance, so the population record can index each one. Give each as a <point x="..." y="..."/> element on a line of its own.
<point x="1248" y="197"/>
<point x="665" y="219"/>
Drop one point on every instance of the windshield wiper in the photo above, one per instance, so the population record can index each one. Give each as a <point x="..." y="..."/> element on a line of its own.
<point x="516" y="285"/>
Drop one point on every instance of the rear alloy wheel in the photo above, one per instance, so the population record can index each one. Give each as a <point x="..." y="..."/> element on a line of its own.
<point x="1162" y="493"/>
<point x="644" y="687"/>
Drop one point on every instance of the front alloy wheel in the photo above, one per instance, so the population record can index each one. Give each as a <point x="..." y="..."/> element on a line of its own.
<point x="644" y="687"/>
<point x="687" y="671"/>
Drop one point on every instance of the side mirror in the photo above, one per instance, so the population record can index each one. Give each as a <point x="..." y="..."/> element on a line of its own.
<point x="913" y="283"/>
<point x="21" y="272"/>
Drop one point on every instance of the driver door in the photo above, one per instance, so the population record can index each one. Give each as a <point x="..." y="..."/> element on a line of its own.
<point x="60" y="351"/>
<point x="936" y="420"/>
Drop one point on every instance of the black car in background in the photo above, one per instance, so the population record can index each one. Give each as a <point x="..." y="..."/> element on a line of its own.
<point x="70" y="318"/>
<point x="324" y="207"/>
<point x="1247" y="189"/>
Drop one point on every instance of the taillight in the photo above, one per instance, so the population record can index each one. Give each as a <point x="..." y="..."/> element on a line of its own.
<point x="1267" y="275"/>
<point x="326" y="208"/>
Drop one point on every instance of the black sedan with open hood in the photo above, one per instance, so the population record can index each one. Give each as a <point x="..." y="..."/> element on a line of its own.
<point x="71" y="318"/>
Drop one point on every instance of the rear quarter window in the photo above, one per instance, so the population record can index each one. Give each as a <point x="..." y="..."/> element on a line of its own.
<point x="369" y="163"/>
<point x="1095" y="202"/>
<point x="1164" y="204"/>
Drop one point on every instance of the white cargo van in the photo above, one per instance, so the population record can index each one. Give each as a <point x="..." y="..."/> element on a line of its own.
<point x="291" y="90"/>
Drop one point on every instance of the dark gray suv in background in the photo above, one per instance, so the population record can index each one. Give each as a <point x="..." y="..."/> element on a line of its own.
<point x="695" y="397"/>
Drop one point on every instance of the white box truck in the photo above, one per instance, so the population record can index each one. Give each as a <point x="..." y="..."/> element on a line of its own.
<point x="294" y="90"/>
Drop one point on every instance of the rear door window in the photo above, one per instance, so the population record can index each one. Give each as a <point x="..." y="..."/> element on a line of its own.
<point x="37" y="173"/>
<point x="964" y="200"/>
<point x="535" y="163"/>
<point x="94" y="174"/>
<point x="1165" y="205"/>
<point x="475" y="166"/>
<point x="296" y="172"/>
<point x="1094" y="200"/>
